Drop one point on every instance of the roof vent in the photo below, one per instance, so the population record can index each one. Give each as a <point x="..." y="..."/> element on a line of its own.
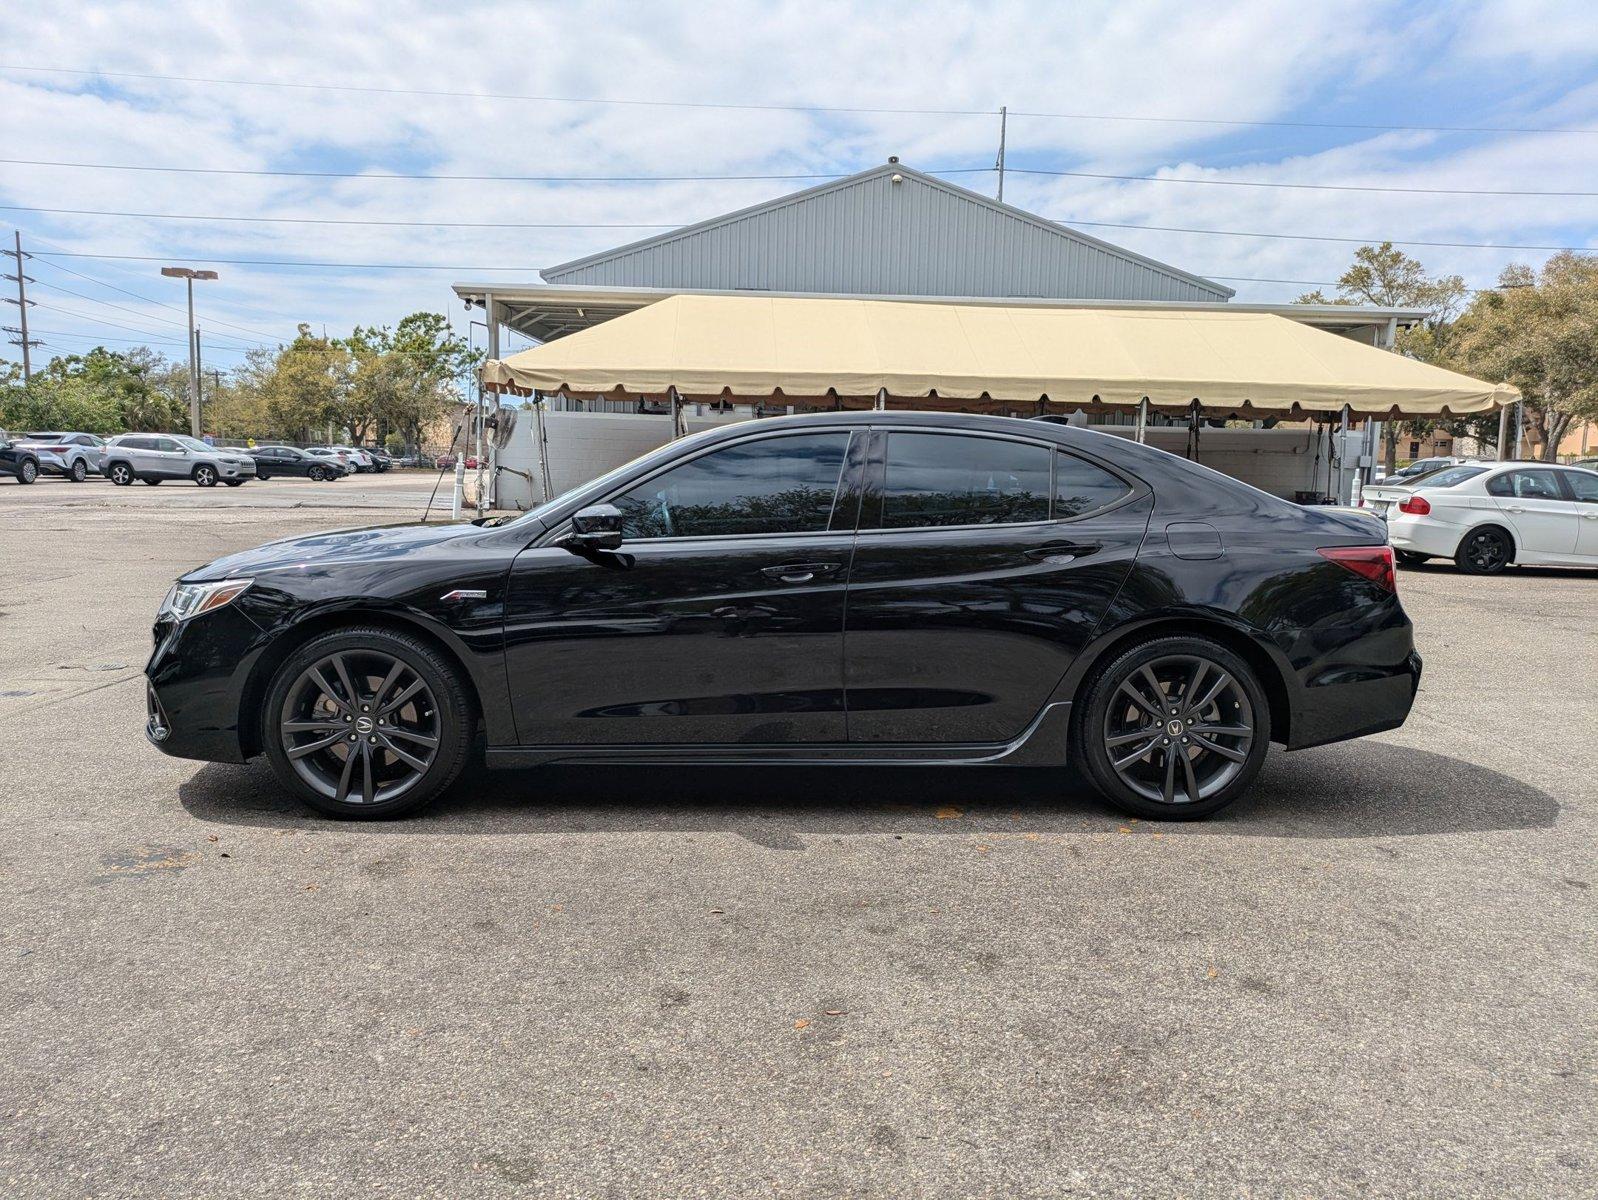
<point x="893" y="158"/>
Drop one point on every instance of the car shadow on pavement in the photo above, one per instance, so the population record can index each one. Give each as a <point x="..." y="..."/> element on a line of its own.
<point x="1354" y="790"/>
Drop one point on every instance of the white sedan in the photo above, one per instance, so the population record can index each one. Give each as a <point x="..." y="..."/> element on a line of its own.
<point x="1485" y="516"/>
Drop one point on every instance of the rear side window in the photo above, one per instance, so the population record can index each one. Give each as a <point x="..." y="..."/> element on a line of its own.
<point x="934" y="479"/>
<point x="771" y="485"/>
<point x="1081" y="488"/>
<point x="1539" y="484"/>
<point x="1449" y="476"/>
<point x="137" y="443"/>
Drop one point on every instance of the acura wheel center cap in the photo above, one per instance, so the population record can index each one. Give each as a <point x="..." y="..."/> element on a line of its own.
<point x="1174" y="728"/>
<point x="363" y="725"/>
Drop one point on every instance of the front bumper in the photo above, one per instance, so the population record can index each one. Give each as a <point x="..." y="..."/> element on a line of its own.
<point x="195" y="680"/>
<point x="230" y="470"/>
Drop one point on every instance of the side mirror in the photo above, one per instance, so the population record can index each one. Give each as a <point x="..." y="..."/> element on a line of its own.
<point x="597" y="527"/>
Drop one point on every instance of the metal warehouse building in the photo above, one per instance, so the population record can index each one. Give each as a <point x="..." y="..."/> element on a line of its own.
<point x="889" y="233"/>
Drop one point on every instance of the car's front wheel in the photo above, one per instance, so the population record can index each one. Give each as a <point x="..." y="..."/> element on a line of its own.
<point x="1174" y="728"/>
<point x="205" y="475"/>
<point x="366" y="723"/>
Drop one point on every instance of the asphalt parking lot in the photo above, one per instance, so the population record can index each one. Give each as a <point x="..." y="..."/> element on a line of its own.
<point x="1374" y="977"/>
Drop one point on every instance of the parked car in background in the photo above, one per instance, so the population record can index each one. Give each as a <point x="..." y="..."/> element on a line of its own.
<point x="359" y="458"/>
<point x="1486" y="516"/>
<point x="286" y="460"/>
<point x="1588" y="464"/>
<point x="381" y="459"/>
<point x="827" y="589"/>
<point x="153" y="458"/>
<point x="1423" y="466"/>
<point x="342" y="457"/>
<point x="73" y="456"/>
<point x="19" y="462"/>
<point x="446" y="461"/>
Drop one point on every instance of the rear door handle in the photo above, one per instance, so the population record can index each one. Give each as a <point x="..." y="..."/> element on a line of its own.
<point x="1063" y="552"/>
<point x="1514" y="508"/>
<point x="799" y="572"/>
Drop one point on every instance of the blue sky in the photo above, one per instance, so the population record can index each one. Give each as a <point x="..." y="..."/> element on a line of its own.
<point x="1512" y="64"/>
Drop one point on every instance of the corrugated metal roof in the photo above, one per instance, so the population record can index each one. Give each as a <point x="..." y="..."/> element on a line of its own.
<point x="869" y="235"/>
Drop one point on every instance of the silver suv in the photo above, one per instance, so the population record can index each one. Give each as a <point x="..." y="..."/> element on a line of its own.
<point x="157" y="457"/>
<point x="73" y="455"/>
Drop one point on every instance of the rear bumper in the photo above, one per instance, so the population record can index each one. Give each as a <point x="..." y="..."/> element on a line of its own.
<point x="1370" y="700"/>
<point x="1423" y="535"/>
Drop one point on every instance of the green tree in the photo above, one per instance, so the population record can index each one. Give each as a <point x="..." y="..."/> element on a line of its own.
<point x="406" y="377"/>
<point x="1388" y="278"/>
<point x="295" y="389"/>
<point x="1540" y="332"/>
<point x="102" y="391"/>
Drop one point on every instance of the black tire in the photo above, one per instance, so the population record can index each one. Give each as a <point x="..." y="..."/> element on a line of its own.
<point x="1220" y="766"/>
<point x="28" y="472"/>
<point x="234" y="482"/>
<point x="261" y="475"/>
<point x="79" y="471"/>
<point x="152" y="481"/>
<point x="1410" y="558"/>
<point x="318" y="474"/>
<point x="1485" y="551"/>
<point x="441" y="707"/>
<point x="205" y="475"/>
<point x="120" y="474"/>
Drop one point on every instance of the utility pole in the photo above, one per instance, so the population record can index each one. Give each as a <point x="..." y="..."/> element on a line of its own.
<point x="22" y="302"/>
<point x="1004" y="120"/>
<point x="190" y="275"/>
<point x="199" y="386"/>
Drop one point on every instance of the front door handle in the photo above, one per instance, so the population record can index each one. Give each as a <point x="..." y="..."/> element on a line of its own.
<point x="1063" y="552"/>
<point x="799" y="572"/>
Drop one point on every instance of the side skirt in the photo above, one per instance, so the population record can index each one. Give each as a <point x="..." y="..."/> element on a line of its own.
<point x="1042" y="745"/>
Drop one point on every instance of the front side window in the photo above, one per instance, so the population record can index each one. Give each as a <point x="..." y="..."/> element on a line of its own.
<point x="768" y="486"/>
<point x="933" y="479"/>
<point x="166" y="444"/>
<point x="1584" y="484"/>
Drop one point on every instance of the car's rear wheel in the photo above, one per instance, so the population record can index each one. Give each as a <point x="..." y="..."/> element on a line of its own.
<point x="1484" y="551"/>
<point x="121" y="474"/>
<point x="152" y="481"/>
<point x="1174" y="728"/>
<point x="79" y="471"/>
<point x="1410" y="558"/>
<point x="234" y="482"/>
<point x="205" y="475"/>
<point x="366" y="723"/>
<point x="318" y="474"/>
<point x="28" y="472"/>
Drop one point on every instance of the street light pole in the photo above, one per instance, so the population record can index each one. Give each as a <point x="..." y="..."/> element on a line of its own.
<point x="190" y="275"/>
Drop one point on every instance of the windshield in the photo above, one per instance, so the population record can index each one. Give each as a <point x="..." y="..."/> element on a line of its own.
<point x="1447" y="477"/>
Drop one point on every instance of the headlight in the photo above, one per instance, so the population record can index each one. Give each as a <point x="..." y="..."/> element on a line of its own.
<point x="187" y="600"/>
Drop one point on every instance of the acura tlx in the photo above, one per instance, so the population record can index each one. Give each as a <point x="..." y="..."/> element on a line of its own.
<point x="847" y="588"/>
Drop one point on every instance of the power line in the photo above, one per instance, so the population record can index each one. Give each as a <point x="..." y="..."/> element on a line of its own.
<point x="100" y="212"/>
<point x="1309" y="237"/>
<point x="1304" y="187"/>
<point x="992" y="111"/>
<point x="56" y="287"/>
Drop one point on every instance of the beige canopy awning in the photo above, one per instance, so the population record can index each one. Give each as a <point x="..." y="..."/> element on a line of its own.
<point x="842" y="352"/>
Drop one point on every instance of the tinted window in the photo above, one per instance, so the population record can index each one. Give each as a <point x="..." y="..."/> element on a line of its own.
<point x="1526" y="485"/>
<point x="1080" y="487"/>
<point x="1584" y="484"/>
<point x="773" y="485"/>
<point x="166" y="444"/>
<point x="950" y="479"/>
<point x="1449" y="476"/>
<point x="138" y="443"/>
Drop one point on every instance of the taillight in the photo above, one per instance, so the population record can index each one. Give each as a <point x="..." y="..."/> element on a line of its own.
<point x="1415" y="506"/>
<point x="1374" y="563"/>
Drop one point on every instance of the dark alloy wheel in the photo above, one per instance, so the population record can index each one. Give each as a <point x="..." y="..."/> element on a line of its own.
<point x="205" y="475"/>
<point x="1174" y="728"/>
<point x="1410" y="558"/>
<point x="121" y="474"/>
<point x="366" y="723"/>
<point x="79" y="471"/>
<point x="28" y="472"/>
<point x="317" y="474"/>
<point x="1484" y="552"/>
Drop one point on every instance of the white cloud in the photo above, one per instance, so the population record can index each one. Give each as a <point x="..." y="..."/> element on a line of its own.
<point x="1256" y="61"/>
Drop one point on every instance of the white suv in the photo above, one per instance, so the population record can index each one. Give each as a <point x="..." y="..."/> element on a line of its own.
<point x="156" y="457"/>
<point x="1485" y="516"/>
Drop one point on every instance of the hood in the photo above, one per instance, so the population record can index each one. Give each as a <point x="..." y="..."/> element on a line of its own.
<point x="321" y="549"/>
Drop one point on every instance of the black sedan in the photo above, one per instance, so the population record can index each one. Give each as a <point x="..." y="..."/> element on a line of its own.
<point x="286" y="460"/>
<point x="841" y="588"/>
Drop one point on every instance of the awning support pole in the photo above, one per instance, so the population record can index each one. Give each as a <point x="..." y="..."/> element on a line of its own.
<point x="543" y="444"/>
<point x="679" y="427"/>
<point x="1143" y="420"/>
<point x="1193" y="431"/>
<point x="882" y="399"/>
<point x="1342" y="448"/>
